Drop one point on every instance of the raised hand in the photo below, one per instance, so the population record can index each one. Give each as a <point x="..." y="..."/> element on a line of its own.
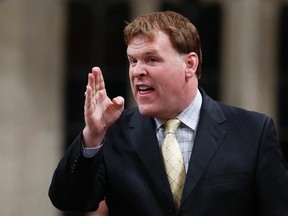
<point x="99" y="110"/>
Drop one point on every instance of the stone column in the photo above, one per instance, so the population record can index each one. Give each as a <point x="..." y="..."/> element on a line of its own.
<point x="249" y="75"/>
<point x="31" y="79"/>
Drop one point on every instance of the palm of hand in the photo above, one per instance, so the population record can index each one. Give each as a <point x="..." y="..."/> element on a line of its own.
<point x="100" y="111"/>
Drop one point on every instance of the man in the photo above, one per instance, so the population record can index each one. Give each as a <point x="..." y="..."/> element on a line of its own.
<point x="233" y="164"/>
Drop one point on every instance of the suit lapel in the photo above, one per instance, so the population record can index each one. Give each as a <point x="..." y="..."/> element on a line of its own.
<point x="208" y="138"/>
<point x="147" y="147"/>
<point x="209" y="135"/>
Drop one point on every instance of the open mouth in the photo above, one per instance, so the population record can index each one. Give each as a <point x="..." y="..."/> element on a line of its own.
<point x="144" y="89"/>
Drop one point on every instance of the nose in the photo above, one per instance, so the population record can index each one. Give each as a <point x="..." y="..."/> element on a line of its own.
<point x="138" y="70"/>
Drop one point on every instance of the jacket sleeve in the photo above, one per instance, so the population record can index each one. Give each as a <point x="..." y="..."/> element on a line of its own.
<point x="271" y="174"/>
<point x="78" y="183"/>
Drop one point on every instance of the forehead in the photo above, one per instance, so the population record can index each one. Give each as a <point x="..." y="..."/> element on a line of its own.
<point x="160" y="41"/>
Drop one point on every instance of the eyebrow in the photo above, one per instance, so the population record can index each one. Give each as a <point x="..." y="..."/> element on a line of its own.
<point x="147" y="53"/>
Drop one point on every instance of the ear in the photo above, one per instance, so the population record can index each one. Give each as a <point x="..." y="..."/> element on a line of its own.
<point x="192" y="61"/>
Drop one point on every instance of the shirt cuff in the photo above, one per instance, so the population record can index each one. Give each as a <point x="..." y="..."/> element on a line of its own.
<point x="90" y="152"/>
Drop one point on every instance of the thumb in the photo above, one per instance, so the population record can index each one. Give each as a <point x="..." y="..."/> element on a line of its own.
<point x="118" y="103"/>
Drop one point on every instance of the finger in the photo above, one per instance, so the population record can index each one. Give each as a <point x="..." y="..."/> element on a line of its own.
<point x="118" y="103"/>
<point x="91" y="82"/>
<point x="90" y="88"/>
<point x="99" y="80"/>
<point x="88" y="97"/>
<point x="89" y="93"/>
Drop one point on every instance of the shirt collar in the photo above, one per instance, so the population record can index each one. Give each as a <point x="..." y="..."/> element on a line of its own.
<point x="190" y="116"/>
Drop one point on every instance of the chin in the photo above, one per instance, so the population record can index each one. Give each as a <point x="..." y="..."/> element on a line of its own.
<point x="146" y="111"/>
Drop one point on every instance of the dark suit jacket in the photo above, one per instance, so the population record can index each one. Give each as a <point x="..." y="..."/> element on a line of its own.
<point x="236" y="168"/>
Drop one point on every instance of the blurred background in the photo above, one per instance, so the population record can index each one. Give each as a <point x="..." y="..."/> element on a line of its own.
<point x="47" y="48"/>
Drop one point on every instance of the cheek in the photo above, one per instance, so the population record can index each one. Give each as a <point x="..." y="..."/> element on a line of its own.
<point x="172" y="82"/>
<point x="131" y="79"/>
<point x="130" y="74"/>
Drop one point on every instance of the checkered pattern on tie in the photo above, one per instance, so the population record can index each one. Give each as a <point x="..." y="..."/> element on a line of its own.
<point x="173" y="161"/>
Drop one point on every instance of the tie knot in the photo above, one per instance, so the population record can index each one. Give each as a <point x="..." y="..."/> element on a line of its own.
<point x="171" y="126"/>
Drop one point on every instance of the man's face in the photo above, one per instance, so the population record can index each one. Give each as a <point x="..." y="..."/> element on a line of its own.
<point x="158" y="76"/>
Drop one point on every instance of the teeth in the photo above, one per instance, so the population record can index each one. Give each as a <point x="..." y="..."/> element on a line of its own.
<point x="143" y="88"/>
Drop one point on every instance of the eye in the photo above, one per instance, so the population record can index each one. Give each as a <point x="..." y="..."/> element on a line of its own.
<point x="152" y="59"/>
<point x="132" y="61"/>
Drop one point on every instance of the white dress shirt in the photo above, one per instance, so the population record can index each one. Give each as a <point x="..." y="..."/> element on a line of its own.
<point x="185" y="134"/>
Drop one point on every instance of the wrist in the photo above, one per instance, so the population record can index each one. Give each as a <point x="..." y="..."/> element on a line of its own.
<point x="92" y="140"/>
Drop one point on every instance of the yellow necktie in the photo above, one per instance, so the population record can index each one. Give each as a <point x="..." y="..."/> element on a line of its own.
<point x="173" y="161"/>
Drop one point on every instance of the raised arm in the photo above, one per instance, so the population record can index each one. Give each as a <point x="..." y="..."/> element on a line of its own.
<point x="73" y="179"/>
<point x="99" y="110"/>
